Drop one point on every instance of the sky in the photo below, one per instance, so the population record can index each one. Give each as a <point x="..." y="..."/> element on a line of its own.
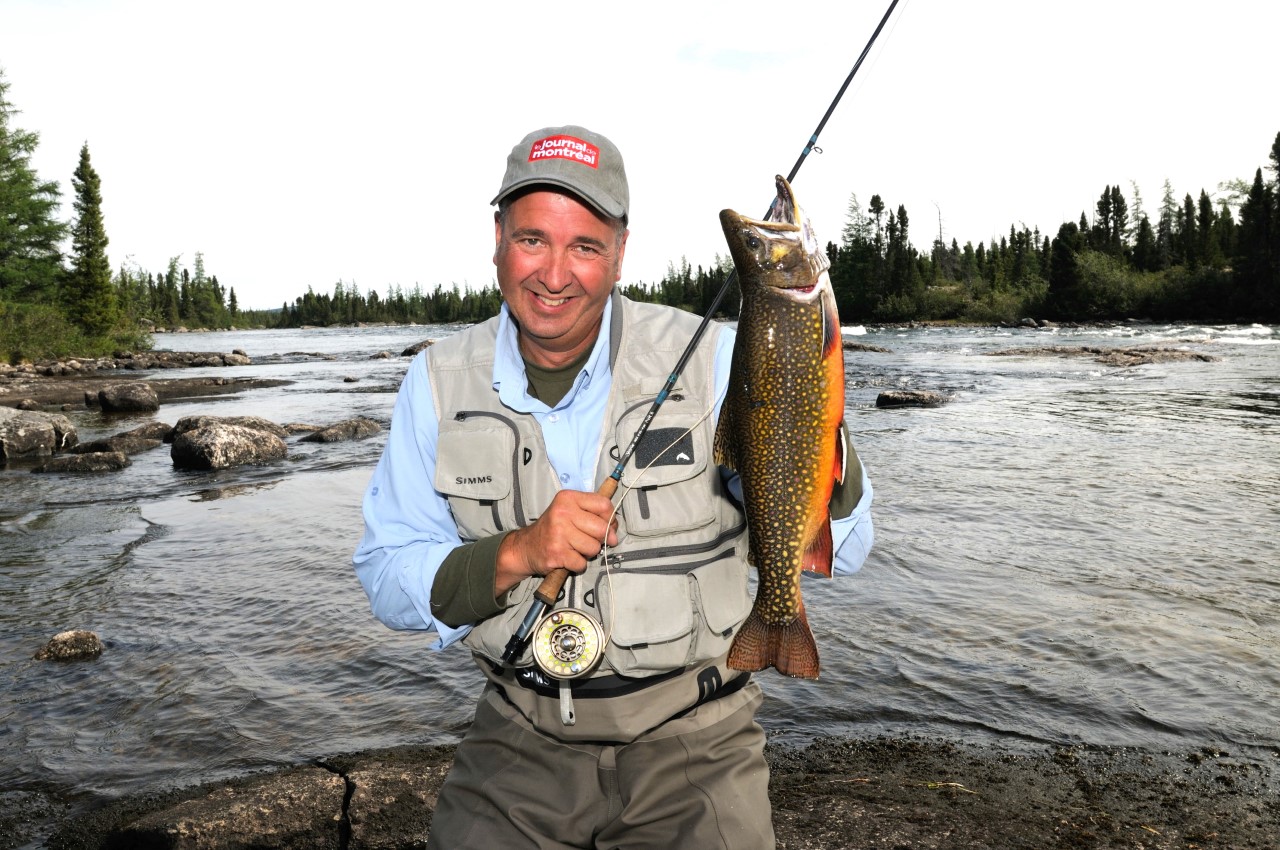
<point x="298" y="144"/>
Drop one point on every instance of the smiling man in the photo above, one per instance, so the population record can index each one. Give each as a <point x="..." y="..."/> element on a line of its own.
<point x="499" y="439"/>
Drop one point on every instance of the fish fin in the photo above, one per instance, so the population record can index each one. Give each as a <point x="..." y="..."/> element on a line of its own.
<point x="831" y="340"/>
<point x="722" y="449"/>
<point x="842" y="448"/>
<point x="817" y="555"/>
<point x="789" y="649"/>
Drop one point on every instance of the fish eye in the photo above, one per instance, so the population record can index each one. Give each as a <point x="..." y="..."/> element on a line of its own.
<point x="753" y="241"/>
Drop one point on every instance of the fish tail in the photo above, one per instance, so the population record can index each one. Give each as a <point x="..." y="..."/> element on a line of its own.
<point x="789" y="649"/>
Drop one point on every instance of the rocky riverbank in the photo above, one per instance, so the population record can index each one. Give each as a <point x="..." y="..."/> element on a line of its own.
<point x="833" y="793"/>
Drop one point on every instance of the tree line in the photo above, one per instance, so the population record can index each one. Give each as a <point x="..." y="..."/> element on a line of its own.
<point x="1198" y="260"/>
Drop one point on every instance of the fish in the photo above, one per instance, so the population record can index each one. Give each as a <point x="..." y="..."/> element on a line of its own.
<point x="781" y="425"/>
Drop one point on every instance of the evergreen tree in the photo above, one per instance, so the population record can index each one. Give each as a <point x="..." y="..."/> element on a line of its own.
<point x="88" y="295"/>
<point x="30" y="259"/>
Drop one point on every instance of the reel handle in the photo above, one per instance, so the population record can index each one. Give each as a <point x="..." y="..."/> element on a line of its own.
<point x="549" y="590"/>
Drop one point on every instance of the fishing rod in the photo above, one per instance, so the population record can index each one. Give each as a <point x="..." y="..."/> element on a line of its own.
<point x="549" y="589"/>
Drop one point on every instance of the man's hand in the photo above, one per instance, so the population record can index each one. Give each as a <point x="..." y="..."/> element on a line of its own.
<point x="567" y="535"/>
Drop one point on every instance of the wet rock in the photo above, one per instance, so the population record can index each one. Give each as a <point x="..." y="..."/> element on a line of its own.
<point x="222" y="446"/>
<point x="299" y="809"/>
<point x="863" y="346"/>
<point x="235" y="359"/>
<point x="257" y="423"/>
<point x="155" y="430"/>
<point x="350" y="429"/>
<point x="301" y="427"/>
<point x="128" y="444"/>
<point x="73" y="645"/>
<point x="382" y="355"/>
<point x="128" y="398"/>
<point x="911" y="398"/>
<point x="415" y="348"/>
<point x="30" y="433"/>
<point x="28" y="404"/>
<point x="350" y="379"/>
<point x="1138" y="355"/>
<point x="96" y="461"/>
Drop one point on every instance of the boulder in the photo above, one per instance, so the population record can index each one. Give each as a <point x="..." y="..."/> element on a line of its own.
<point x="128" y="444"/>
<point x="350" y="429"/>
<point x="415" y="348"/>
<point x="27" y="404"/>
<point x="910" y="398"/>
<point x="128" y="398"/>
<point x="30" y="433"/>
<point x="222" y="446"/>
<point x="97" y="461"/>
<point x="73" y="645"/>
<point x="256" y="423"/>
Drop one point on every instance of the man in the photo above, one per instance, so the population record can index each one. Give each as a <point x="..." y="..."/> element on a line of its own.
<point x="500" y="437"/>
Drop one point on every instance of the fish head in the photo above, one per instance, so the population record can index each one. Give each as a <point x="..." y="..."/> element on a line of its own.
<point x="779" y="252"/>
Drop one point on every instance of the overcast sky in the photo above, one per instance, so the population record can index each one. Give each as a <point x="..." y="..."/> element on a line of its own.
<point x="297" y="144"/>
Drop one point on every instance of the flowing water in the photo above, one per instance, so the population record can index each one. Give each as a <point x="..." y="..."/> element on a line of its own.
<point x="1067" y="552"/>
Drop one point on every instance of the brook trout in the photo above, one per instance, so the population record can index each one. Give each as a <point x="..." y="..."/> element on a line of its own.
<point x="780" y="425"/>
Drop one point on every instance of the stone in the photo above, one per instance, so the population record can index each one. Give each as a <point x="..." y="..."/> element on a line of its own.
<point x="223" y="446"/>
<point x="97" y="461"/>
<point x="350" y="429"/>
<point x="910" y="398"/>
<point x="128" y="398"/>
<point x="72" y="645"/>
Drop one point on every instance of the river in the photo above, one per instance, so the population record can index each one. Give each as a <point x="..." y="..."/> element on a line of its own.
<point x="1066" y="552"/>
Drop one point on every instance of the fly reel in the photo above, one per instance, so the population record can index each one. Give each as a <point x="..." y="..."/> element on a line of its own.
<point x="567" y="644"/>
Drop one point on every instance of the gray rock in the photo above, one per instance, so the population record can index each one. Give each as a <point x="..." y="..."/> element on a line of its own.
<point x="257" y="423"/>
<point x="414" y="349"/>
<point x="910" y="398"/>
<point x="28" y="404"/>
<point x="96" y="461"/>
<point x="350" y="429"/>
<point x="73" y="645"/>
<point x="30" y="433"/>
<point x="222" y="446"/>
<point x="128" y="444"/>
<point x="128" y="398"/>
<point x="235" y="359"/>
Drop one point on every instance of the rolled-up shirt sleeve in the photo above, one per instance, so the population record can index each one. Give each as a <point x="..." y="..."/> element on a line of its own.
<point x="408" y="527"/>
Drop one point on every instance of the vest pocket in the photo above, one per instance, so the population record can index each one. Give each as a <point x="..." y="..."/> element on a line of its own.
<point x="649" y="620"/>
<point x="475" y="472"/>
<point x="665" y="491"/>
<point x="724" y="600"/>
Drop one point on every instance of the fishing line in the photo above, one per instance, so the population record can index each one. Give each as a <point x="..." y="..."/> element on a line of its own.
<point x="549" y="590"/>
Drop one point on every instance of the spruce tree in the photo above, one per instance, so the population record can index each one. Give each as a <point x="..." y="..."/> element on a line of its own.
<point x="88" y="295"/>
<point x="30" y="259"/>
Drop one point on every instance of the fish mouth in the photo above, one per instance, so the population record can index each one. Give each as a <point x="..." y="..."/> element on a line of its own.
<point x="795" y="247"/>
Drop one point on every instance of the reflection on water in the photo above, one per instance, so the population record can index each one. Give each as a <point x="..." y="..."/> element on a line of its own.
<point x="1065" y="552"/>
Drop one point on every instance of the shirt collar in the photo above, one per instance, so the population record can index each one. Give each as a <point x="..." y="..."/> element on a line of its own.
<point x="509" y="379"/>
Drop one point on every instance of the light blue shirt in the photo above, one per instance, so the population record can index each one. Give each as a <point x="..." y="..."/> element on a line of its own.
<point x="408" y="527"/>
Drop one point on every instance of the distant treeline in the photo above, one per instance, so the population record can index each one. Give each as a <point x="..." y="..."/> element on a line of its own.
<point x="1198" y="260"/>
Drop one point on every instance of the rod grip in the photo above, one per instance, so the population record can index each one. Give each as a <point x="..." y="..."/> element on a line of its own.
<point x="549" y="590"/>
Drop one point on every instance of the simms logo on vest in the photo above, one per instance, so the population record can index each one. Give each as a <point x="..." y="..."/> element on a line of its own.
<point x="479" y="479"/>
<point x="565" y="147"/>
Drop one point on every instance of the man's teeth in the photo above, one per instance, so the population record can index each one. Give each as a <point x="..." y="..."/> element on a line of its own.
<point x="552" y="302"/>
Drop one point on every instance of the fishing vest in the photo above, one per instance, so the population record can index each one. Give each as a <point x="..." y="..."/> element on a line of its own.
<point x="673" y="592"/>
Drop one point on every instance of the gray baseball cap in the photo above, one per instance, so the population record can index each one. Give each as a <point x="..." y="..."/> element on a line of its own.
<point x="573" y="158"/>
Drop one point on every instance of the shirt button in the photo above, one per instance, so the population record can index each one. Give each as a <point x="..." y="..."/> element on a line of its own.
<point x="553" y="417"/>
<point x="564" y="478"/>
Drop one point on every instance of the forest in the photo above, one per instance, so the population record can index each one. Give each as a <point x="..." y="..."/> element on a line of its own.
<point x="1203" y="259"/>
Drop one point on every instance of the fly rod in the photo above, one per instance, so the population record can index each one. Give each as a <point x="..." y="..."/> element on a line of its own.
<point x="549" y="589"/>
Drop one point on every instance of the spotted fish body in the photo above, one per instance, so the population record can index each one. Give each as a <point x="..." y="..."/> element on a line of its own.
<point x="780" y="425"/>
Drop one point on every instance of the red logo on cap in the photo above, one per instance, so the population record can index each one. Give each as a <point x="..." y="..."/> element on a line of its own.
<point x="565" y="147"/>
